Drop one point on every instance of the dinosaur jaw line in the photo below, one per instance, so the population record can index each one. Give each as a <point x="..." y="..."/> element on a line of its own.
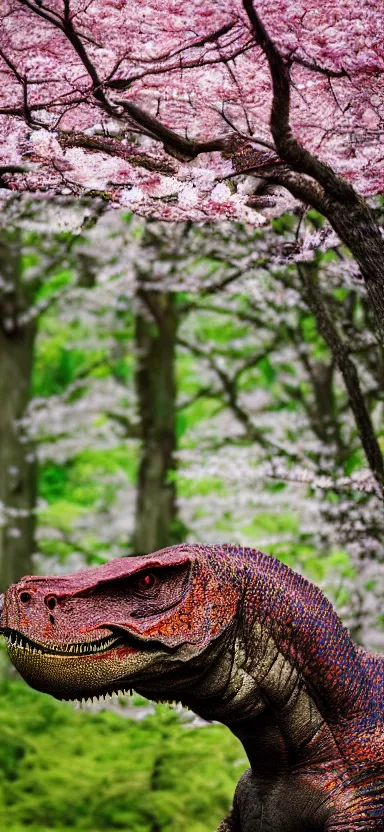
<point x="117" y="663"/>
<point x="17" y="641"/>
<point x="109" y="665"/>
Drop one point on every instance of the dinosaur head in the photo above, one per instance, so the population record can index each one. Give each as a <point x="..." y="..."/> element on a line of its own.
<point x="147" y="623"/>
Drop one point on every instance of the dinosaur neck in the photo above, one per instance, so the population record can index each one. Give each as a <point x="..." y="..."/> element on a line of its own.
<point x="292" y="668"/>
<point x="290" y="626"/>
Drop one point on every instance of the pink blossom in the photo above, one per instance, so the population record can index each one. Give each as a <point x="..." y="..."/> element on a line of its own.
<point x="196" y="68"/>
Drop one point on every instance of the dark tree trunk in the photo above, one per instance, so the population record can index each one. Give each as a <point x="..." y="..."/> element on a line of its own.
<point x="357" y="228"/>
<point x="17" y="465"/>
<point x="340" y="351"/>
<point x="157" y="524"/>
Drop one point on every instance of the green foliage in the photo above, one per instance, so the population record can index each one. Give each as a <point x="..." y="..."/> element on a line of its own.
<point x="55" y="365"/>
<point x="62" y="769"/>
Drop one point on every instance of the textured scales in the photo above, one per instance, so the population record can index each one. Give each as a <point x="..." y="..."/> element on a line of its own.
<point x="238" y="637"/>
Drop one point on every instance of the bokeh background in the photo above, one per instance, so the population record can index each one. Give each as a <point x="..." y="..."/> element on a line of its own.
<point x="163" y="383"/>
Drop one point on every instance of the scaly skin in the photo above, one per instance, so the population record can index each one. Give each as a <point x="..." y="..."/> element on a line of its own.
<point x="240" y="638"/>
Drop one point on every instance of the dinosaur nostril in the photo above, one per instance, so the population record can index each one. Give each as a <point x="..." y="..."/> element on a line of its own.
<point x="25" y="597"/>
<point x="50" y="602"/>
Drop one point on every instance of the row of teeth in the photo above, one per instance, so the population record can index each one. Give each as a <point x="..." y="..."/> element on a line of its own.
<point x="113" y="697"/>
<point x="90" y="647"/>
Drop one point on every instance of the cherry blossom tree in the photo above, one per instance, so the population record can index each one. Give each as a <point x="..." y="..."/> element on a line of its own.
<point x="201" y="111"/>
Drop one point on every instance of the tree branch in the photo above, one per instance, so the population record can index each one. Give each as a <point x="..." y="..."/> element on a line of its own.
<point x="131" y="430"/>
<point x="113" y="147"/>
<point x="229" y="385"/>
<point x="174" y="144"/>
<point x="287" y="146"/>
<point x="312" y="294"/>
<point x="329" y="193"/>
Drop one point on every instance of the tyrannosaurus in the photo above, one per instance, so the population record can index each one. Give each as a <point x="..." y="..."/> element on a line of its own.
<point x="240" y="638"/>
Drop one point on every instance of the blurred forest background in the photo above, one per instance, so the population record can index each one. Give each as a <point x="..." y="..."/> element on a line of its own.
<point x="162" y="383"/>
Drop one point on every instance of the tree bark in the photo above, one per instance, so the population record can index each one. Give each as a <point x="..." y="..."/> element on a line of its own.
<point x="326" y="327"/>
<point x="157" y="523"/>
<point x="356" y="226"/>
<point x="17" y="465"/>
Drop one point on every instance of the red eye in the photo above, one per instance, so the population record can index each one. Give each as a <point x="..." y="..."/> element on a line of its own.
<point x="144" y="582"/>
